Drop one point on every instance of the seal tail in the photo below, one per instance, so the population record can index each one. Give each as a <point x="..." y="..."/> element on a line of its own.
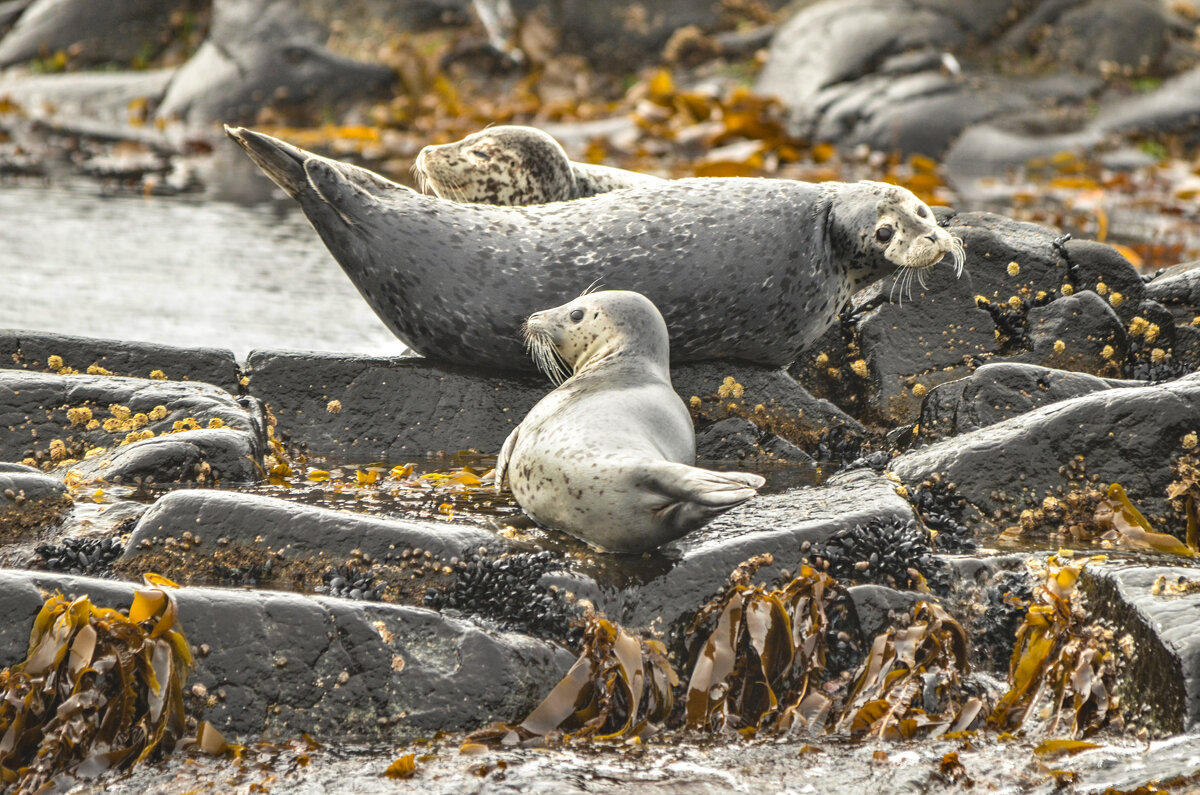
<point x="697" y="495"/>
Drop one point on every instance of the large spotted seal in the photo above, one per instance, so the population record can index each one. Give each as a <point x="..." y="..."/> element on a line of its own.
<point x="515" y="165"/>
<point x="608" y="456"/>
<point x="749" y="269"/>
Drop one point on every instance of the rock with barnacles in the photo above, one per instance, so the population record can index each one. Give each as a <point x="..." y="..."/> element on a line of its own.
<point x="275" y="665"/>
<point x="32" y="505"/>
<point x="47" y="352"/>
<point x="1050" y="458"/>
<point x="118" y="428"/>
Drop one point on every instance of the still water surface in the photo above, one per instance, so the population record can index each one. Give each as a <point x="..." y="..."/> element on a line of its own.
<point x="177" y="271"/>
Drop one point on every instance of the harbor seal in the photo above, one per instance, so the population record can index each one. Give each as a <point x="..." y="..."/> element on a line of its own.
<point x="514" y="165"/>
<point x="608" y="456"/>
<point x="746" y="269"/>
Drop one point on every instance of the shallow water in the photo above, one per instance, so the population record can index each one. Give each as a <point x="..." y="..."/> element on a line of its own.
<point x="176" y="271"/>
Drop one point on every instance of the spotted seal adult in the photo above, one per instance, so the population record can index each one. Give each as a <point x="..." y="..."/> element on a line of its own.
<point x="608" y="456"/>
<point x="749" y="269"/>
<point x="515" y="165"/>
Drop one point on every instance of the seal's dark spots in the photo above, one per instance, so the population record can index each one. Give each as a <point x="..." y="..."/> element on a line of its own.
<point x="576" y="315"/>
<point x="883" y="234"/>
<point x="481" y="154"/>
<point x="922" y="212"/>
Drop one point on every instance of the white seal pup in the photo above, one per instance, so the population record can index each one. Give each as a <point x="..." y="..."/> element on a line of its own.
<point x="513" y="165"/>
<point x="607" y="456"/>
<point x="748" y="269"/>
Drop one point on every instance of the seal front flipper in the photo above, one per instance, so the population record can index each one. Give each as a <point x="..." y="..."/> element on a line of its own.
<point x="502" y="460"/>
<point x="692" y="495"/>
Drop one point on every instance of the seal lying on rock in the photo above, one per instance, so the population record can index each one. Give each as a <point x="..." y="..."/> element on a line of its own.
<point x="607" y="456"/>
<point x="750" y="269"/>
<point x="514" y="165"/>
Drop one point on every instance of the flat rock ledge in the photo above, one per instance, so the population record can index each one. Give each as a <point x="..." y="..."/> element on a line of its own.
<point x="276" y="665"/>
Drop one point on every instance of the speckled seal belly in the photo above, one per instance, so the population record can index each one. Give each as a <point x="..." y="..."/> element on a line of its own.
<point x="749" y="269"/>
<point x="609" y="455"/>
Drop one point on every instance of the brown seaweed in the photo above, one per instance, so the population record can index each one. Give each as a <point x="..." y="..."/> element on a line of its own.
<point x="98" y="690"/>
<point x="911" y="682"/>
<point x="620" y="687"/>
<point x="1062" y="670"/>
<point x="759" y="667"/>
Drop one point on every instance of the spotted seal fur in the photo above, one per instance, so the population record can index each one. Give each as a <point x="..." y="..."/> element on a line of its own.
<point x="513" y="165"/>
<point x="747" y="269"/>
<point x="608" y="456"/>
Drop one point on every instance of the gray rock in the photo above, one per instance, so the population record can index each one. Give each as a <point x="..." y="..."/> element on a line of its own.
<point x="878" y="608"/>
<point x="262" y="54"/>
<point x="31" y="350"/>
<point x="283" y="664"/>
<point x="1078" y="332"/>
<point x="670" y="586"/>
<point x="395" y="408"/>
<point x="997" y="392"/>
<point x="1160" y="680"/>
<point x="41" y="409"/>
<point x="735" y="439"/>
<point x="32" y="505"/>
<point x="1178" y="289"/>
<point x="234" y="527"/>
<point x="115" y="31"/>
<point x="1129" y="436"/>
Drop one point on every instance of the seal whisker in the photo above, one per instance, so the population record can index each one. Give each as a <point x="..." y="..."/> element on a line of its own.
<point x="591" y="288"/>
<point x="546" y="356"/>
<point x="959" y="253"/>
<point x="895" y="282"/>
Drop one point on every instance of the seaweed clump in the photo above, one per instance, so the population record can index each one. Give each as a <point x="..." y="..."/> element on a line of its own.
<point x="1062" y="671"/>
<point x="99" y="690"/>
<point x="620" y="687"/>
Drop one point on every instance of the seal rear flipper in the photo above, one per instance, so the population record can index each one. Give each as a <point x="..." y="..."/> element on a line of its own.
<point x="502" y="460"/>
<point x="696" y="495"/>
<point x="279" y="160"/>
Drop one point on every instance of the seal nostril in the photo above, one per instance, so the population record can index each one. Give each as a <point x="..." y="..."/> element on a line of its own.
<point x="931" y="237"/>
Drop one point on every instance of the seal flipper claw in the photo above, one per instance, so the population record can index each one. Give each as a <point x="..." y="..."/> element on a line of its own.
<point x="696" y="495"/>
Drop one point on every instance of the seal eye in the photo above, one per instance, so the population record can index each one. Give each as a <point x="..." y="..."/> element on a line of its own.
<point x="883" y="234"/>
<point x="481" y="154"/>
<point x="576" y="315"/>
<point x="922" y="212"/>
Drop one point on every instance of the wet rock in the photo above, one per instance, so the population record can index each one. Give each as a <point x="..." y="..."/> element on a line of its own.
<point x="89" y="33"/>
<point x="282" y="664"/>
<point x="1153" y="611"/>
<point x="80" y="555"/>
<point x="1078" y="332"/>
<point x="1178" y="289"/>
<point x="878" y="608"/>
<point x="170" y="430"/>
<point x="388" y="408"/>
<point x="769" y="398"/>
<point x="266" y="54"/>
<point x="667" y="587"/>
<point x="1129" y="436"/>
<point x="185" y="532"/>
<point x="31" y="504"/>
<point x="736" y="439"/>
<point x="392" y="408"/>
<point x="34" y="350"/>
<point x="997" y="392"/>
<point x="1172" y="107"/>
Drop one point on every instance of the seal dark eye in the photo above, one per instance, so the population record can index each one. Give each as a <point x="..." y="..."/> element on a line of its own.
<point x="883" y="234"/>
<point x="576" y="315"/>
<point x="922" y="212"/>
<point x="481" y="154"/>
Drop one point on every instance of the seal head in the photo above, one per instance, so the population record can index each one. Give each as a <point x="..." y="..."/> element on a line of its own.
<point x="508" y="165"/>
<point x="512" y="165"/>
<point x="608" y="456"/>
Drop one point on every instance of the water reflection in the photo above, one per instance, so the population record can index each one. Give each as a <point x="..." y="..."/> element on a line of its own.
<point x="176" y="271"/>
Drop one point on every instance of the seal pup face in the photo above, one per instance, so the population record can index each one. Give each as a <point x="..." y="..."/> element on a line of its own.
<point x="508" y="165"/>
<point x="594" y="329"/>
<point x="898" y="231"/>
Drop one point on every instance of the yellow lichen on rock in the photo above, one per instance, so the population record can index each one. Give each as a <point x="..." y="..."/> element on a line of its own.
<point x="96" y="369"/>
<point x="730" y="388"/>
<point x="81" y="415"/>
<point x="1014" y="268"/>
<point x="136" y="436"/>
<point x="859" y="366"/>
<point x="334" y="407"/>
<point x="158" y="375"/>
<point x="121" y="413"/>
<point x="1059" y="346"/>
<point x="93" y="425"/>
<point x="158" y="413"/>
